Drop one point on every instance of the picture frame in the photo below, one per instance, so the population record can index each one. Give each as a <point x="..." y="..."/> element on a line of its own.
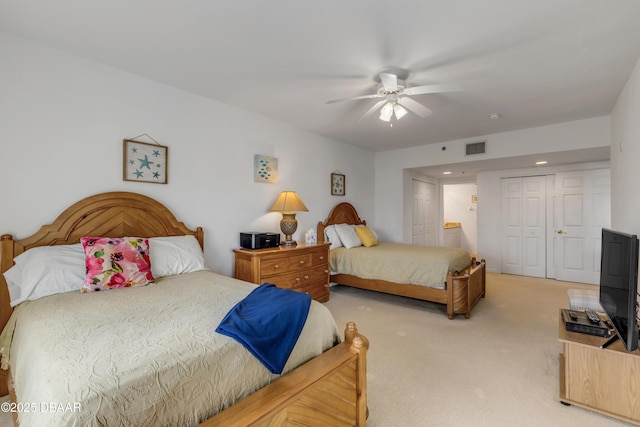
<point x="338" y="184"/>
<point x="265" y="169"/>
<point x="144" y="162"/>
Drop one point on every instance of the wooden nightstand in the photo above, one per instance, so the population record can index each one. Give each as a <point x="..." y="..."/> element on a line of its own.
<point x="303" y="268"/>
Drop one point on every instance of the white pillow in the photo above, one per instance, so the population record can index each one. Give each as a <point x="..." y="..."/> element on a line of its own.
<point x="331" y="236"/>
<point x="348" y="236"/>
<point x="175" y="255"/>
<point x="46" y="270"/>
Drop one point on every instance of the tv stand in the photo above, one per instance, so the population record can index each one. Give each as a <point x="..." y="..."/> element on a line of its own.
<point x="604" y="380"/>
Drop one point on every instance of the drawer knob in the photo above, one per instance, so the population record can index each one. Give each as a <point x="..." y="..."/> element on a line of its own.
<point x="297" y="279"/>
<point x="306" y="277"/>
<point x="276" y="266"/>
<point x="301" y="262"/>
<point x="321" y="257"/>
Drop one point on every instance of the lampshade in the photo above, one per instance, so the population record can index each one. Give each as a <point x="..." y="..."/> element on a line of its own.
<point x="400" y="111"/>
<point x="288" y="201"/>
<point x="386" y="112"/>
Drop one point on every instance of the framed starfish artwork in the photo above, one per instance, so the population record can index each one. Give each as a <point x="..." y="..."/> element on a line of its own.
<point x="338" y="184"/>
<point x="144" y="162"/>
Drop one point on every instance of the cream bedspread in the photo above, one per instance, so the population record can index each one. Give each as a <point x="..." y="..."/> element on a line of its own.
<point x="400" y="263"/>
<point x="144" y="356"/>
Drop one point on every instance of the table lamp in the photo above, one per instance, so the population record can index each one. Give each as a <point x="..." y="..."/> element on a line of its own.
<point x="288" y="203"/>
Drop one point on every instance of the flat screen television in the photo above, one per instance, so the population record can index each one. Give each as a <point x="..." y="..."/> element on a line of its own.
<point x="619" y="285"/>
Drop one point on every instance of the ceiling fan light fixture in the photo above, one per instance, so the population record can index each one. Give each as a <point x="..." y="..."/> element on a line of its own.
<point x="386" y="112"/>
<point x="400" y="111"/>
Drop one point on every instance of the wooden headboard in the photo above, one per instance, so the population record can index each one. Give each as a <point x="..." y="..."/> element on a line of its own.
<point x="342" y="213"/>
<point x="114" y="214"/>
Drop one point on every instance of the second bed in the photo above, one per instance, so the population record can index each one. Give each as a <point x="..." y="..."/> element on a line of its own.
<point x="442" y="275"/>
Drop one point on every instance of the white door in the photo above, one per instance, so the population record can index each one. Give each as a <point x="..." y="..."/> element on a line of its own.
<point x="511" y="220"/>
<point x="523" y="226"/>
<point x="533" y="226"/>
<point x="423" y="215"/>
<point x="583" y="208"/>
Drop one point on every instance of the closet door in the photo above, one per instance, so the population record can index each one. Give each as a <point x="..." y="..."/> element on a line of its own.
<point x="534" y="226"/>
<point x="582" y="209"/>
<point x="524" y="226"/>
<point x="423" y="215"/>
<point x="511" y="220"/>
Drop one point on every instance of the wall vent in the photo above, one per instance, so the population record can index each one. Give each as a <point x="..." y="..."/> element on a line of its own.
<point x="476" y="148"/>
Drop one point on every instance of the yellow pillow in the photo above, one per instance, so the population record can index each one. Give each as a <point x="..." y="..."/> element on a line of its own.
<point x="366" y="236"/>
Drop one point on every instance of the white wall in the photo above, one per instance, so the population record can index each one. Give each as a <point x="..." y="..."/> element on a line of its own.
<point x="64" y="119"/>
<point x="458" y="207"/>
<point x="390" y="173"/>
<point x="625" y="157"/>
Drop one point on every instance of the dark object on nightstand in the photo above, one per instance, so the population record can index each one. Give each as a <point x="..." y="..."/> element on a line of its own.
<point x="257" y="240"/>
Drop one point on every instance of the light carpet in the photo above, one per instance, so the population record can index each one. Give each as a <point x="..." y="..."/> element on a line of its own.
<point x="498" y="368"/>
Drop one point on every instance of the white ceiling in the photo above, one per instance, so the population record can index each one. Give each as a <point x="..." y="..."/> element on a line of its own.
<point x="534" y="62"/>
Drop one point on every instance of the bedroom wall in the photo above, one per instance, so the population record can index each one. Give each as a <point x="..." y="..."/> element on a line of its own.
<point x="391" y="214"/>
<point x="64" y="119"/>
<point x="625" y="154"/>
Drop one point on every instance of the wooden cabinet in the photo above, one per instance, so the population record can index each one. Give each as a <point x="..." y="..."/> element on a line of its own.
<point x="602" y="380"/>
<point x="303" y="268"/>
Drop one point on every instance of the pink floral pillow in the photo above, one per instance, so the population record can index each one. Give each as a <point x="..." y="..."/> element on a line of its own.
<point x="116" y="263"/>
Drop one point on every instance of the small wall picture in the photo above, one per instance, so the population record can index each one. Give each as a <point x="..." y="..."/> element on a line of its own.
<point x="338" y="184"/>
<point x="265" y="169"/>
<point x="144" y="162"/>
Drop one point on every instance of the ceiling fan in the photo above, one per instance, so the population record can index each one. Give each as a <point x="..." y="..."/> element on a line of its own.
<point x="397" y="97"/>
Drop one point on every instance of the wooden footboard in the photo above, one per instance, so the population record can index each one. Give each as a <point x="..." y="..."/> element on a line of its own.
<point x="329" y="390"/>
<point x="464" y="290"/>
<point x="461" y="293"/>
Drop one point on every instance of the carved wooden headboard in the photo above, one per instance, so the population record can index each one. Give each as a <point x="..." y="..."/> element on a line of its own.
<point x="114" y="214"/>
<point x="342" y="213"/>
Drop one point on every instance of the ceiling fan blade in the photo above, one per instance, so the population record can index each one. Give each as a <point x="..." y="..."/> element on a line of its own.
<point x="414" y="106"/>
<point x="389" y="81"/>
<point x="437" y="88"/>
<point x="372" y="110"/>
<point x="373" y="95"/>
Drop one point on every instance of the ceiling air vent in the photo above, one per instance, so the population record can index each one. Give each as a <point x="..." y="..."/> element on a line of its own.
<point x="476" y="148"/>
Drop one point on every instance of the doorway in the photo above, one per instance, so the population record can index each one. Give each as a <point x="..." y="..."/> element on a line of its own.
<point x="423" y="213"/>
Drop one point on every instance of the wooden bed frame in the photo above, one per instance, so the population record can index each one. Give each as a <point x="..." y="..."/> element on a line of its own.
<point x="327" y="390"/>
<point x="463" y="289"/>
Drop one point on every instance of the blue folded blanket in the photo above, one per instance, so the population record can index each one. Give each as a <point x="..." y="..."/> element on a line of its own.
<point x="268" y="322"/>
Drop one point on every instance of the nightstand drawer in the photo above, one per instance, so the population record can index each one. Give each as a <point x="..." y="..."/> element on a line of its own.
<point x="269" y="267"/>
<point x="307" y="277"/>
<point x="318" y="293"/>
<point x="300" y="261"/>
<point x="290" y="281"/>
<point x="315" y="275"/>
<point x="319" y="258"/>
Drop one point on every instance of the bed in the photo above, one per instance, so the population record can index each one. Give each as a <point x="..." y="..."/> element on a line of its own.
<point x="323" y="381"/>
<point x="461" y="282"/>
